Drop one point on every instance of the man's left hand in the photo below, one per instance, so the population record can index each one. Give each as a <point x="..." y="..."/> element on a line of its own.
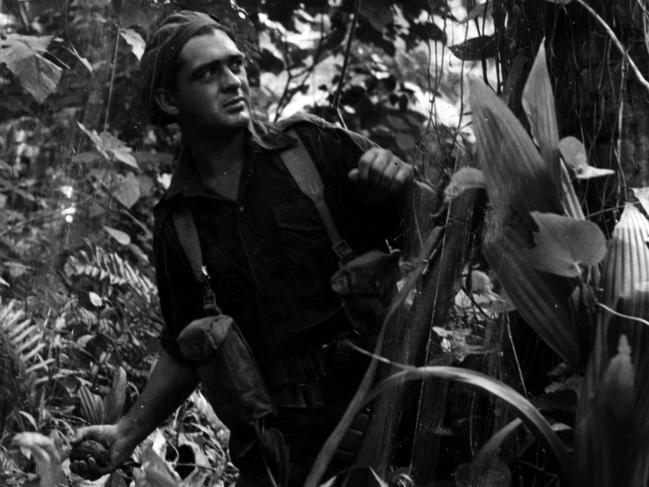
<point x="380" y="169"/>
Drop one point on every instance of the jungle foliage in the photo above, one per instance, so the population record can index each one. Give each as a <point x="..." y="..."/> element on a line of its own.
<point x="515" y="350"/>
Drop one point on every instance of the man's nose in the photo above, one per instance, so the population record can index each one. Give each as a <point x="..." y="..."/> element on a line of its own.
<point x="230" y="80"/>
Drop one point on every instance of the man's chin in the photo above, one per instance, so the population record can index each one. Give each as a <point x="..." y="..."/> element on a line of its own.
<point x="232" y="123"/>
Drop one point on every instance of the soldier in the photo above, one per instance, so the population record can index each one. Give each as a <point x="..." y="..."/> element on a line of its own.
<point x="265" y="247"/>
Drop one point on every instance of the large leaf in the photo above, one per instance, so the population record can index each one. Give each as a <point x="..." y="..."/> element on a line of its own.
<point x="135" y="41"/>
<point x="110" y="147"/>
<point x="377" y="13"/>
<point x="565" y="245"/>
<point x="475" y="49"/>
<point x="538" y="103"/>
<point x="465" y="178"/>
<point x="127" y="191"/>
<point x="603" y="433"/>
<point x="574" y="154"/>
<point x="23" y="56"/>
<point x="518" y="180"/>
<point x="626" y="266"/>
<point x="537" y="297"/>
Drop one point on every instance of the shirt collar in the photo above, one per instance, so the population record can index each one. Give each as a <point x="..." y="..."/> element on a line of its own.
<point x="261" y="137"/>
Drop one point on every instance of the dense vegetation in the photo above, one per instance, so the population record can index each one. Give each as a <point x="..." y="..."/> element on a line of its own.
<point x="524" y="298"/>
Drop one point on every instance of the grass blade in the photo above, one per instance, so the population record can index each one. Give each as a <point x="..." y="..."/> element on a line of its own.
<point x="523" y="408"/>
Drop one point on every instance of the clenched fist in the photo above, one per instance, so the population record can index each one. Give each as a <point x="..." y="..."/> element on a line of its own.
<point x="380" y="169"/>
<point x="98" y="450"/>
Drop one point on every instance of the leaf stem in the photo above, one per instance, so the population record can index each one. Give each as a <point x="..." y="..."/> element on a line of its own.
<point x="622" y="315"/>
<point x="341" y="81"/>
<point x="112" y="80"/>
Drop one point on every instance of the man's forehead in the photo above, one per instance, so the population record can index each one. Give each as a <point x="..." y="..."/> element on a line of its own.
<point x="212" y="46"/>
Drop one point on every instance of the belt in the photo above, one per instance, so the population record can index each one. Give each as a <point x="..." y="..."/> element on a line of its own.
<point x="295" y="381"/>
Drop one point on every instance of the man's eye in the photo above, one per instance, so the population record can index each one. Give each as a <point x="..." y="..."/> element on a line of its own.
<point x="236" y="65"/>
<point x="208" y="72"/>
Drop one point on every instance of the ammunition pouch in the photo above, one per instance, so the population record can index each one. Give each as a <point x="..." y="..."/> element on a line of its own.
<point x="228" y="371"/>
<point x="366" y="285"/>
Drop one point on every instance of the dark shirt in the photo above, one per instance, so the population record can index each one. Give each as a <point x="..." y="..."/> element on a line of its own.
<point x="267" y="253"/>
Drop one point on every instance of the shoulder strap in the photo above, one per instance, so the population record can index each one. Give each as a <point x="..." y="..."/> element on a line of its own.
<point x="188" y="237"/>
<point x="300" y="165"/>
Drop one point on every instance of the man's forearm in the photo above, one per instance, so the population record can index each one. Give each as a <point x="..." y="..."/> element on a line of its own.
<point x="169" y="385"/>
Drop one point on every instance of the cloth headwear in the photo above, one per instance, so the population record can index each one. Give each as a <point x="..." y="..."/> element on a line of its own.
<point x="161" y="55"/>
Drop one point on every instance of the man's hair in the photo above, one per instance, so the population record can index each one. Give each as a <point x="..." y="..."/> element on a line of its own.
<point x="160" y="61"/>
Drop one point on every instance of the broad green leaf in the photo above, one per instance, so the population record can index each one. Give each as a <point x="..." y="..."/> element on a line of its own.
<point x="121" y="237"/>
<point x="95" y="138"/>
<point x="378" y="13"/>
<point x="518" y="180"/>
<point x="465" y="178"/>
<point x="538" y="103"/>
<point x="22" y="55"/>
<point x="127" y="191"/>
<point x="135" y="42"/>
<point x="110" y="147"/>
<point x="574" y="155"/>
<point x="475" y="49"/>
<point x="538" y="298"/>
<point x="563" y="244"/>
<point x="118" y="149"/>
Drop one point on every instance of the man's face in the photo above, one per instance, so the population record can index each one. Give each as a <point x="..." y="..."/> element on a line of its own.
<point x="212" y="86"/>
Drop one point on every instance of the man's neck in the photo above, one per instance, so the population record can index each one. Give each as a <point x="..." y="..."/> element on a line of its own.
<point x="215" y="155"/>
<point x="218" y="160"/>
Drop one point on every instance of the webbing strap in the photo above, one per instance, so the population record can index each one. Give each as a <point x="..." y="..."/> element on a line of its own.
<point x="188" y="237"/>
<point x="303" y="170"/>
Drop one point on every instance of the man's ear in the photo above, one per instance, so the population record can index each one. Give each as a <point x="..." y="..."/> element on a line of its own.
<point x="166" y="101"/>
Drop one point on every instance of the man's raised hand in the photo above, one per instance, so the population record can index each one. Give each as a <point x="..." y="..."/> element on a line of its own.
<point x="380" y="169"/>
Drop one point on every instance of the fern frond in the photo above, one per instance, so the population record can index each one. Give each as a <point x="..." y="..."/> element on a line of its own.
<point x="21" y="340"/>
<point x="109" y="268"/>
